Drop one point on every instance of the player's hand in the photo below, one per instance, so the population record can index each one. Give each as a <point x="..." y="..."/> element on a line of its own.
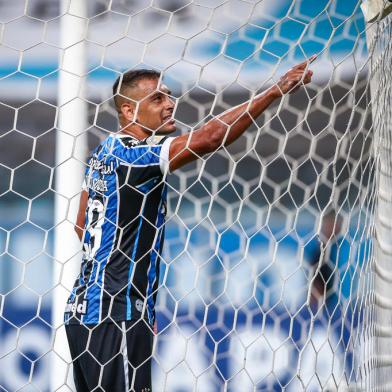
<point x="296" y="77"/>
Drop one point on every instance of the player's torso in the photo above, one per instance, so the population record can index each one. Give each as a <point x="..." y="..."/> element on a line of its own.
<point x="123" y="236"/>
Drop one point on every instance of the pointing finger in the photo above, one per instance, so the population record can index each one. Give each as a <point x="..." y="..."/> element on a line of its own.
<point x="306" y="62"/>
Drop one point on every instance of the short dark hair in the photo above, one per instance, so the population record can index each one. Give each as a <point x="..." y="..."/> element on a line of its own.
<point x="130" y="79"/>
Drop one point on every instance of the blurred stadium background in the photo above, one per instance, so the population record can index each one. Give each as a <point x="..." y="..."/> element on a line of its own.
<point x="214" y="54"/>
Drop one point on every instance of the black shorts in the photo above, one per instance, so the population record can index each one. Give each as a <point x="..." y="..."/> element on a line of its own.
<point x="111" y="357"/>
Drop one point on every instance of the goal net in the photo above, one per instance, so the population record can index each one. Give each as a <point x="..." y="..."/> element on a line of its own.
<point x="276" y="273"/>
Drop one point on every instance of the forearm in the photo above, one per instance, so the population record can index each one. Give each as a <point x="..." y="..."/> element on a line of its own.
<point x="237" y="120"/>
<point x="230" y="125"/>
<point x="79" y="231"/>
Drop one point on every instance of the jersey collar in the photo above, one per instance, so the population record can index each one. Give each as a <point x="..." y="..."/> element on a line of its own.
<point x="125" y="135"/>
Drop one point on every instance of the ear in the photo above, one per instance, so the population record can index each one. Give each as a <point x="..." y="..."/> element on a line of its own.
<point x="128" y="111"/>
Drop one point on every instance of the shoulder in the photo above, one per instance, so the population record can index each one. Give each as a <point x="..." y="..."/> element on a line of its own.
<point x="149" y="151"/>
<point x="99" y="150"/>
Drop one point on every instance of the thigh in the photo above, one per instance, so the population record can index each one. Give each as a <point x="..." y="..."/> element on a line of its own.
<point x="106" y="347"/>
<point x="139" y="343"/>
<point x="98" y="356"/>
<point x="77" y="336"/>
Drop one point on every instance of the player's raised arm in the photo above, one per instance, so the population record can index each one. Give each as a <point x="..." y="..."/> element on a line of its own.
<point x="227" y="127"/>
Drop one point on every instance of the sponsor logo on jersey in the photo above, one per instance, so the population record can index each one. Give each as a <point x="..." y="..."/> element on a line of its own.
<point x="103" y="168"/>
<point x="139" y="305"/>
<point x="152" y="140"/>
<point x="97" y="184"/>
<point x="80" y="308"/>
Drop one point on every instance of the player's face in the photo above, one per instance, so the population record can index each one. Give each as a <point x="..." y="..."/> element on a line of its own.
<point x="156" y="107"/>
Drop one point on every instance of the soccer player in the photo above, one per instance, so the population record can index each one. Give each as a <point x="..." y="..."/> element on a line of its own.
<point x="327" y="254"/>
<point x="110" y="314"/>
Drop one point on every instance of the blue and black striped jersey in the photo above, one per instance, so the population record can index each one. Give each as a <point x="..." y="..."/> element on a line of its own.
<point x="124" y="231"/>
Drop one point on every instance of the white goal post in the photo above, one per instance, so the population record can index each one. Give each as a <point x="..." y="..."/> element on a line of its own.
<point x="376" y="9"/>
<point x="71" y="153"/>
<point x="379" y="360"/>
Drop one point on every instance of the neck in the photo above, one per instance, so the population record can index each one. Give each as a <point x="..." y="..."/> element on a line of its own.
<point x="134" y="130"/>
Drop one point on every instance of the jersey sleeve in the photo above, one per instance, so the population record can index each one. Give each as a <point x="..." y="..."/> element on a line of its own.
<point x="164" y="155"/>
<point x="154" y="151"/>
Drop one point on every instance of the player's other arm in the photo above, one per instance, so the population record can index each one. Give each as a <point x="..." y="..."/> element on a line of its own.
<point x="79" y="226"/>
<point x="230" y="125"/>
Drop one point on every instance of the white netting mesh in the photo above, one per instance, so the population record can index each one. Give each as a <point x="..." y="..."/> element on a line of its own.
<point x="379" y="361"/>
<point x="268" y="279"/>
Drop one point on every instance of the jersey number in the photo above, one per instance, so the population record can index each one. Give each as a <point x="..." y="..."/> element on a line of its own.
<point x="95" y="219"/>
